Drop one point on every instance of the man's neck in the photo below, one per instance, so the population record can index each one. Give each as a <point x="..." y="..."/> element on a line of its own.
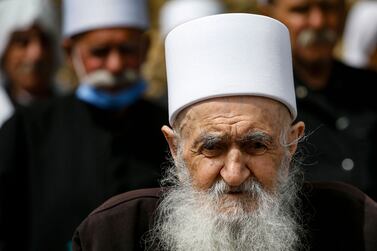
<point x="25" y="97"/>
<point x="315" y="75"/>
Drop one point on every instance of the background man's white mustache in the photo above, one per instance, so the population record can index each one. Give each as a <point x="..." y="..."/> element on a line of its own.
<point x="103" y="78"/>
<point x="309" y="37"/>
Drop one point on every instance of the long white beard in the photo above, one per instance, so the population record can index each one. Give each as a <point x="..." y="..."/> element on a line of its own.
<point x="192" y="220"/>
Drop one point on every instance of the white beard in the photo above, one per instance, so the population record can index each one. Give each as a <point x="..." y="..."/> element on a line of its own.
<point x="192" y="220"/>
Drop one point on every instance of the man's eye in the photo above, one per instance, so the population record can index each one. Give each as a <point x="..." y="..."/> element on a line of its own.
<point x="255" y="148"/>
<point x="300" y="9"/>
<point x="329" y="7"/>
<point x="21" y="41"/>
<point x="100" y="52"/>
<point x="127" y="49"/>
<point x="211" y="150"/>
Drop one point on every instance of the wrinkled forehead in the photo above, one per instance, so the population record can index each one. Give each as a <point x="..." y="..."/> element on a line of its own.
<point x="243" y="111"/>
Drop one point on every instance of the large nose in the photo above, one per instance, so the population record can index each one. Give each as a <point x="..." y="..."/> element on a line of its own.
<point x="115" y="62"/>
<point x="35" y="49"/>
<point x="317" y="18"/>
<point x="235" y="171"/>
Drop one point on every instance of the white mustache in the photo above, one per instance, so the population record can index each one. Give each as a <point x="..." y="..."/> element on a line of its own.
<point x="249" y="187"/>
<point x="103" y="78"/>
<point x="309" y="37"/>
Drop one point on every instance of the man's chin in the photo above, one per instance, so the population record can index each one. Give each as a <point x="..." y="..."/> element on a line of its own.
<point x="316" y="54"/>
<point x="31" y="82"/>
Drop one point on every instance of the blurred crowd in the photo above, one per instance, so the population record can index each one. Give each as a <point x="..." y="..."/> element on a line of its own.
<point x="83" y="97"/>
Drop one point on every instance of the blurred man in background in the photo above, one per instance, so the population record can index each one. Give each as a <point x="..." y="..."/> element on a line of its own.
<point x="62" y="158"/>
<point x="334" y="100"/>
<point x="28" y="49"/>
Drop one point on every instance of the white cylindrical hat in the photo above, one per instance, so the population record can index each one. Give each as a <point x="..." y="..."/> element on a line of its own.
<point x="229" y="55"/>
<point x="175" y="12"/>
<point x="84" y="15"/>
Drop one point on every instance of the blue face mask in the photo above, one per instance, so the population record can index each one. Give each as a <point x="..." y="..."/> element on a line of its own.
<point x="110" y="101"/>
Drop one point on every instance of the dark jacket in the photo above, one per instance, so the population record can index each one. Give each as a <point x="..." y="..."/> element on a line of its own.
<point x="61" y="159"/>
<point x="341" y="128"/>
<point x="337" y="217"/>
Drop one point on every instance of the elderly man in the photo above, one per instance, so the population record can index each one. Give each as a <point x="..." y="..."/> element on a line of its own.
<point x="342" y="142"/>
<point x="60" y="159"/>
<point x="234" y="184"/>
<point x="28" y="49"/>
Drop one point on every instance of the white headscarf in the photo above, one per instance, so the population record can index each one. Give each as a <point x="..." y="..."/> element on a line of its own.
<point x="360" y="34"/>
<point x="6" y="107"/>
<point x="176" y="12"/>
<point x="21" y="14"/>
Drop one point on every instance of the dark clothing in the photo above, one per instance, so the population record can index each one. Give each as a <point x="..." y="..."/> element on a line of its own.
<point x="341" y="124"/>
<point x="61" y="159"/>
<point x="337" y="217"/>
<point x="51" y="92"/>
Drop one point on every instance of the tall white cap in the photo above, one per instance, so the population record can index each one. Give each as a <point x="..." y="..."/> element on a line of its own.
<point x="84" y="15"/>
<point x="175" y="12"/>
<point x="229" y="55"/>
<point x="17" y="15"/>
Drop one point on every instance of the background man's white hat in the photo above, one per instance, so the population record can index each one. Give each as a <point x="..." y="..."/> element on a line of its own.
<point x="360" y="33"/>
<point x="85" y="15"/>
<point x="175" y="12"/>
<point x="228" y="55"/>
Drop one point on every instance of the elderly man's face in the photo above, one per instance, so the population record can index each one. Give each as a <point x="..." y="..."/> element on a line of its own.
<point x="231" y="186"/>
<point x="235" y="139"/>
<point x="314" y="26"/>
<point x="112" y="49"/>
<point x="27" y="60"/>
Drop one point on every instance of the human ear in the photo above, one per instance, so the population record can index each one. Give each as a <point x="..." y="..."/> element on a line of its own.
<point x="67" y="46"/>
<point x="145" y="45"/>
<point x="295" y="134"/>
<point x="171" y="139"/>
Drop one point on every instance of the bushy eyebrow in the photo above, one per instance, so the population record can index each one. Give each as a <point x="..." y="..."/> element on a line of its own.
<point x="256" y="136"/>
<point x="208" y="139"/>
